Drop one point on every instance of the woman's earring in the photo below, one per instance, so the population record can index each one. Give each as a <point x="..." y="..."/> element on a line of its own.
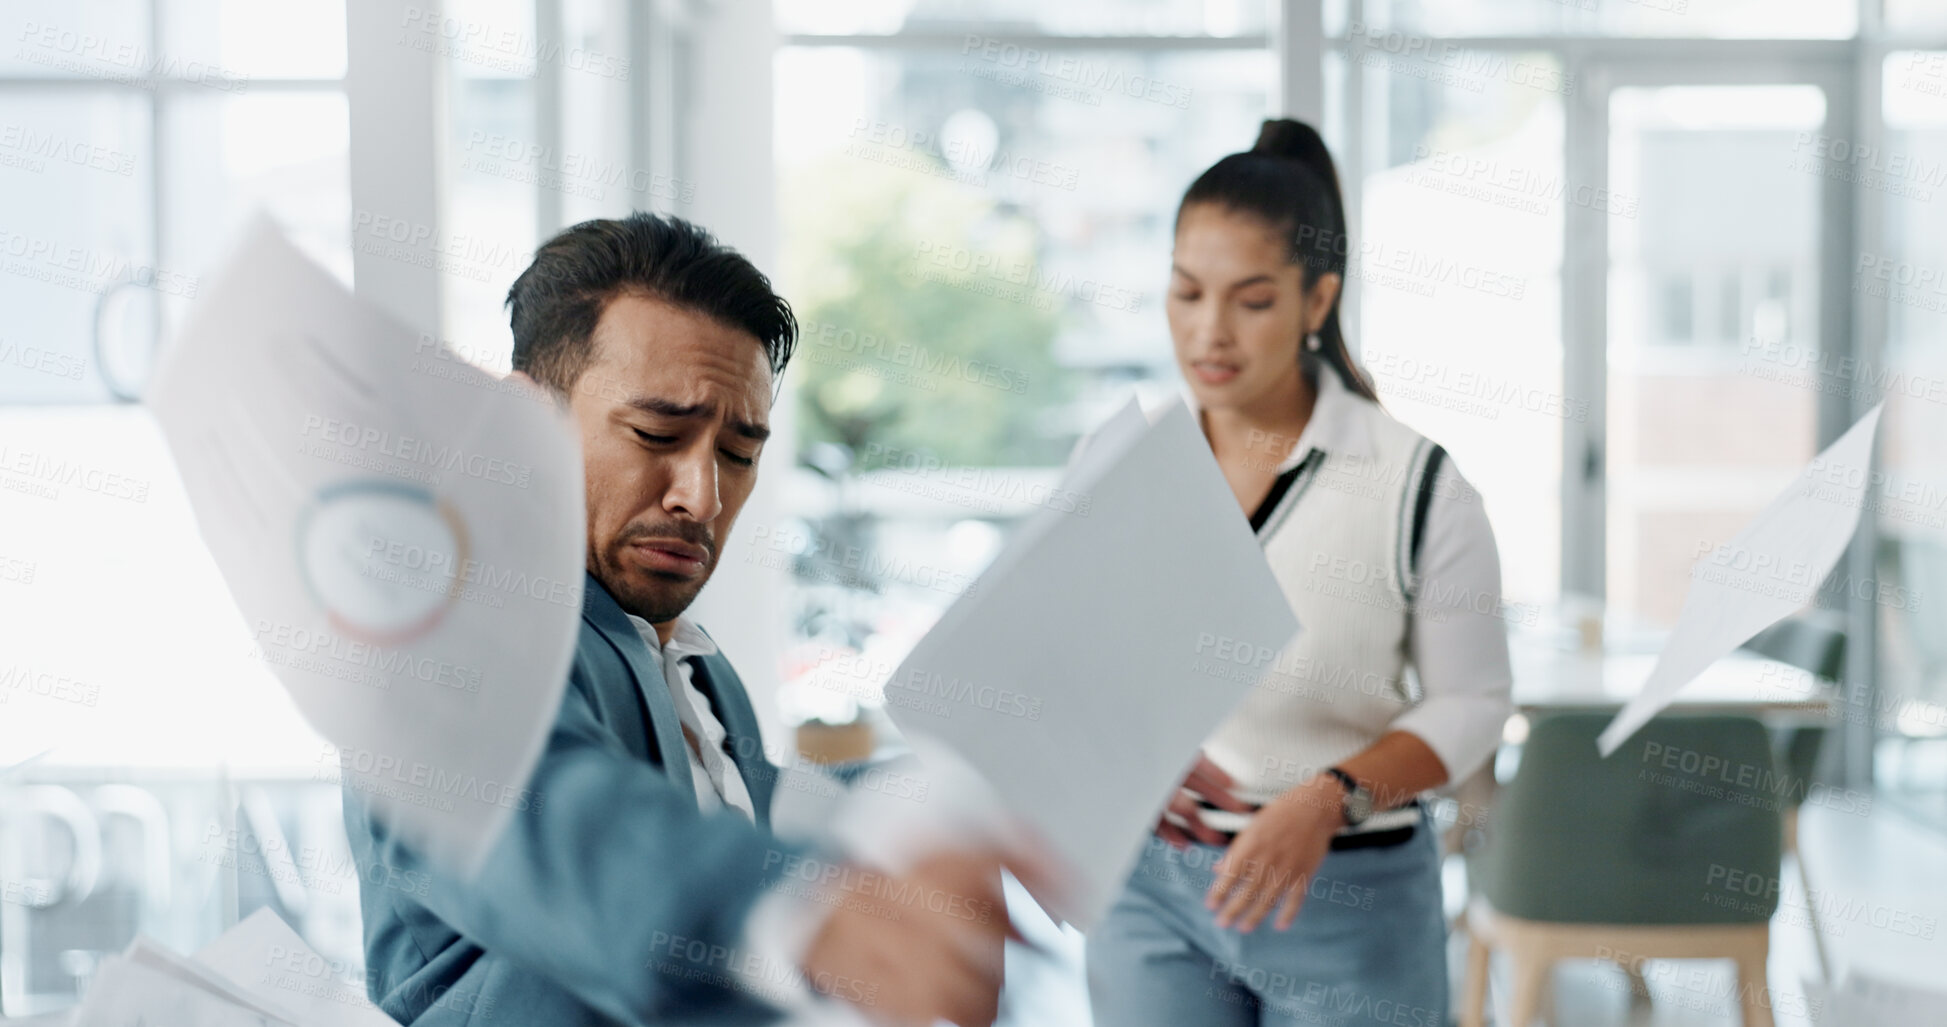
<point x="1313" y="342"/>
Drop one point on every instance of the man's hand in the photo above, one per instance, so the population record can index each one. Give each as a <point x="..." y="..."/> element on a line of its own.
<point x="1208" y="780"/>
<point x="920" y="948"/>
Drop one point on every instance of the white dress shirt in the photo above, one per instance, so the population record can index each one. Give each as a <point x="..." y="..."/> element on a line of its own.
<point x="717" y="779"/>
<point x="781" y="925"/>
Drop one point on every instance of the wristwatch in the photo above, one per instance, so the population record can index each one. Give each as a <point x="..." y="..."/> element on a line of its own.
<point x="1358" y="798"/>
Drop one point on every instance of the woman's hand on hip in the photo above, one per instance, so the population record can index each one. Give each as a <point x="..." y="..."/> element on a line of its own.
<point x="1273" y="859"/>
<point x="1208" y="780"/>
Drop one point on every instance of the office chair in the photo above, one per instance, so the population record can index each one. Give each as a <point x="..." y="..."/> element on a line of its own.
<point x="1629" y="857"/>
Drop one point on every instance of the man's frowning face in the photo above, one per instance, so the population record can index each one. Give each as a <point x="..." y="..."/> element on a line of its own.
<point x="673" y="409"/>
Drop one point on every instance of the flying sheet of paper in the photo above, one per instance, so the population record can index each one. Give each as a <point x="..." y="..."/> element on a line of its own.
<point x="401" y="530"/>
<point x="265" y="958"/>
<point x="1101" y="648"/>
<point x="150" y="985"/>
<point x="149" y="953"/>
<point x="1766" y="572"/>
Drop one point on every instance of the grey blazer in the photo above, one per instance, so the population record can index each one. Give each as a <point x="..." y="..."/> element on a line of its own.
<point x="586" y="907"/>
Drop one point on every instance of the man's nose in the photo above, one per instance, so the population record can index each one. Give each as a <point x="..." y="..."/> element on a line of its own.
<point x="693" y="485"/>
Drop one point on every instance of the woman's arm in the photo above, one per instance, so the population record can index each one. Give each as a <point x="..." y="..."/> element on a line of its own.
<point x="1458" y="645"/>
<point x="1458" y="637"/>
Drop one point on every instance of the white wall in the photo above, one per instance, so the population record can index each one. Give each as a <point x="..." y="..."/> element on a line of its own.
<point x="725" y="151"/>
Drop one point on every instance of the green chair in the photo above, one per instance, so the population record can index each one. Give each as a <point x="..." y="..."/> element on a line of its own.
<point x="1668" y="849"/>
<point x="1814" y="643"/>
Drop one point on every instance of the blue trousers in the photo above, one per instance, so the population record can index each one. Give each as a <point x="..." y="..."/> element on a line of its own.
<point x="1368" y="947"/>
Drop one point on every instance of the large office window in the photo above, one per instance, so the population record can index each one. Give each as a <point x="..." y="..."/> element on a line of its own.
<point x="136" y="137"/>
<point x="1710" y="19"/>
<point x="137" y="134"/>
<point x="169" y="786"/>
<point x="1463" y="191"/>
<point x="1582" y="266"/>
<point x="976" y="208"/>
<point x="1909" y="277"/>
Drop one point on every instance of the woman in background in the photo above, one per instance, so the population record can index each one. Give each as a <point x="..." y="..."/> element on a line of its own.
<point x="1303" y="815"/>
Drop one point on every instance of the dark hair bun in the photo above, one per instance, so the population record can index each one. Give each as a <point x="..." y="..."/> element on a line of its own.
<point x="1295" y="140"/>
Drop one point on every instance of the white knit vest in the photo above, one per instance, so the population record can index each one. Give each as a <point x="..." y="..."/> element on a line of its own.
<point x="1339" y="543"/>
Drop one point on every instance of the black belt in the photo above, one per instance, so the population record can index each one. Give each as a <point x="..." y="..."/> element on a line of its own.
<point x="1341" y="842"/>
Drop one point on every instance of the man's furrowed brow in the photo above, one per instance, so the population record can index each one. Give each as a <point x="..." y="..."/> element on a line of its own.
<point x="670" y="408"/>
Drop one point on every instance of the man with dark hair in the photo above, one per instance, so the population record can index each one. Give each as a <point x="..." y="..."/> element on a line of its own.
<point x="646" y="887"/>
